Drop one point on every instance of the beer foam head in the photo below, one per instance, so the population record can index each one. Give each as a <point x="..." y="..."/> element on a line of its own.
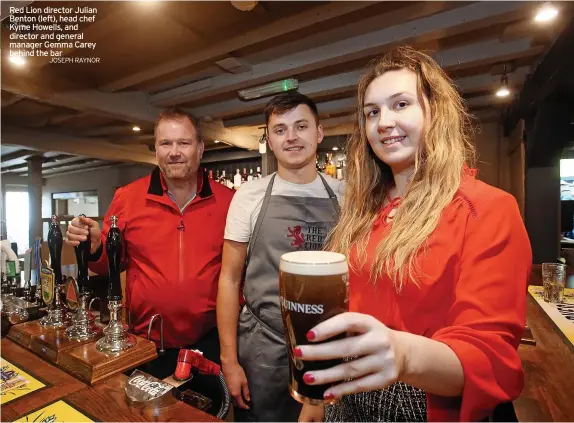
<point x="314" y="263"/>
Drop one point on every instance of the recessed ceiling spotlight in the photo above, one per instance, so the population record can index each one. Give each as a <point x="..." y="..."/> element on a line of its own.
<point x="216" y="141"/>
<point x="546" y="13"/>
<point x="136" y="128"/>
<point x="335" y="148"/>
<point x="17" y="60"/>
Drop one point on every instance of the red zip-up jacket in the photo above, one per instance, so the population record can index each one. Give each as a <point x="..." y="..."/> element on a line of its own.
<point x="172" y="258"/>
<point x="471" y="296"/>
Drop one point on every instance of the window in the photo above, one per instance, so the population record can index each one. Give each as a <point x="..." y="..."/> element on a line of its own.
<point x="17" y="219"/>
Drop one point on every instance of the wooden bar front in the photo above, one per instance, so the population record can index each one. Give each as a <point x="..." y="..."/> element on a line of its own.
<point x="549" y="373"/>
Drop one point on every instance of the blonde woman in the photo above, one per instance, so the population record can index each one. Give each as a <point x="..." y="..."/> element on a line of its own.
<point x="439" y="262"/>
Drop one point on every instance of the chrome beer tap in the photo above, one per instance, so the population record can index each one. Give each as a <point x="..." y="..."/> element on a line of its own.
<point x="116" y="337"/>
<point x="83" y="322"/>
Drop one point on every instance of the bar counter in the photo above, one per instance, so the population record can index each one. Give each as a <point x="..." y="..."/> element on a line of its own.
<point x="548" y="393"/>
<point x="105" y="401"/>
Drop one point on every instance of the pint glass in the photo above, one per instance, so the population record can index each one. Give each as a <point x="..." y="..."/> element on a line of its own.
<point x="313" y="288"/>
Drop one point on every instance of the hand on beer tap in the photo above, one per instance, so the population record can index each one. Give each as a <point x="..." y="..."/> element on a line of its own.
<point x="79" y="230"/>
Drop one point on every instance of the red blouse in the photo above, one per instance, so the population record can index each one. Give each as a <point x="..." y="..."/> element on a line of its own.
<point x="472" y="296"/>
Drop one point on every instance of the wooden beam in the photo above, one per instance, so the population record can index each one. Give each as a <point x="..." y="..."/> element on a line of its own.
<point x="266" y="32"/>
<point x="452" y="22"/>
<point x="129" y="106"/>
<point x="12" y="100"/>
<point x="99" y="149"/>
<point x="557" y="65"/>
<point x="469" y="84"/>
<point x="49" y="163"/>
<point x="15" y="157"/>
<point x="81" y="170"/>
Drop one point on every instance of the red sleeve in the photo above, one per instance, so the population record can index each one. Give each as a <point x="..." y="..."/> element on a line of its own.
<point x="116" y="208"/>
<point x="488" y="316"/>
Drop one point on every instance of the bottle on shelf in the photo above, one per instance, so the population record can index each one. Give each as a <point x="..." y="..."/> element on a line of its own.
<point x="244" y="176"/>
<point x="210" y="174"/>
<point x="340" y="170"/>
<point x="237" y="179"/>
<point x="222" y="178"/>
<point x="250" y="177"/>
<point x="258" y="176"/>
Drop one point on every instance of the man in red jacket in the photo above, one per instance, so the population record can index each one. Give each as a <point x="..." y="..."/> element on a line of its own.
<point x="172" y="223"/>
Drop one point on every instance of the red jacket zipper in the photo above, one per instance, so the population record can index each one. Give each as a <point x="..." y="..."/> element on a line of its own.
<point x="181" y="228"/>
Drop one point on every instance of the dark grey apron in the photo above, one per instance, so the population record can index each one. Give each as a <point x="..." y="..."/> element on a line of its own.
<point x="286" y="224"/>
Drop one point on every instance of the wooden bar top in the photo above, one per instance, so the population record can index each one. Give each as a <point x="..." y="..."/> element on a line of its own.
<point x="107" y="401"/>
<point x="59" y="383"/>
<point x="549" y="373"/>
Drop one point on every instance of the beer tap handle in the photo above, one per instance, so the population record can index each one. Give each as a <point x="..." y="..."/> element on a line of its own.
<point x="55" y="242"/>
<point x="82" y="253"/>
<point x="114" y="250"/>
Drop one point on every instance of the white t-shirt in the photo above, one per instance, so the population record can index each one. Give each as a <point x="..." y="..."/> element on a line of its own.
<point x="246" y="204"/>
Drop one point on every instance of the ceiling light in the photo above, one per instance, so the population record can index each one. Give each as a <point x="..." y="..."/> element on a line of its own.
<point x="244" y="6"/>
<point x="335" y="148"/>
<point x="136" y="128"/>
<point x="17" y="60"/>
<point x="503" y="91"/>
<point x="269" y="89"/>
<point x="546" y="13"/>
<point x="216" y="141"/>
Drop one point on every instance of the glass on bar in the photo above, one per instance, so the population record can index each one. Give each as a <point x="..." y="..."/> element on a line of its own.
<point x="554" y="280"/>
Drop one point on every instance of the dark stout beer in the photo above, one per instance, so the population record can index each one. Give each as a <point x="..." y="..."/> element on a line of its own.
<point x="313" y="288"/>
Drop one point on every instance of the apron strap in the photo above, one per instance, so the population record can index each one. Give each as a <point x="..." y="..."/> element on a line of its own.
<point x="332" y="195"/>
<point x="260" y="218"/>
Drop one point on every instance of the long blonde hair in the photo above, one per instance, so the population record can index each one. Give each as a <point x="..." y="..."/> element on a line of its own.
<point x="444" y="149"/>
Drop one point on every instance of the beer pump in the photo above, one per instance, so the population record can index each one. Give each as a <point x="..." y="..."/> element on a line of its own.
<point x="116" y="337"/>
<point x="57" y="317"/>
<point x="83" y="322"/>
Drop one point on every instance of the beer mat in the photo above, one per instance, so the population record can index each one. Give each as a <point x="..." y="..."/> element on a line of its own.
<point x="17" y="383"/>
<point x="57" y="411"/>
<point x="561" y="315"/>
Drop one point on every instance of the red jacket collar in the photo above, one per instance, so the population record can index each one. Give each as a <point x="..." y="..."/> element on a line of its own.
<point x="158" y="187"/>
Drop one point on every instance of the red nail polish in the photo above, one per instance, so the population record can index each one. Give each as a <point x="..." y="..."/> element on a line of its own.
<point x="297" y="352"/>
<point x="329" y="396"/>
<point x="308" y="378"/>
<point x="310" y="335"/>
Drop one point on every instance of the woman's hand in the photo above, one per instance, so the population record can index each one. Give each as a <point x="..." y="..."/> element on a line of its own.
<point x="379" y="362"/>
<point x="312" y="413"/>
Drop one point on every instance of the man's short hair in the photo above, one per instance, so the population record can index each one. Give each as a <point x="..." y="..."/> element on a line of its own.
<point x="285" y="102"/>
<point x="175" y="113"/>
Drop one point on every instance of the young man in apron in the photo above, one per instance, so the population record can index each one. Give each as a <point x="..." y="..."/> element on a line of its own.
<point x="290" y="210"/>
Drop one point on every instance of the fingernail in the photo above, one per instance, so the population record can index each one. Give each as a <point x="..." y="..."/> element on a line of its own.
<point x="308" y="378"/>
<point x="311" y="335"/>
<point x="329" y="396"/>
<point x="297" y="352"/>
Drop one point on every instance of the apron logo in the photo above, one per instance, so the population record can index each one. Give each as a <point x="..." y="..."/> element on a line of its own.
<point x="298" y="239"/>
<point x="308" y="238"/>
